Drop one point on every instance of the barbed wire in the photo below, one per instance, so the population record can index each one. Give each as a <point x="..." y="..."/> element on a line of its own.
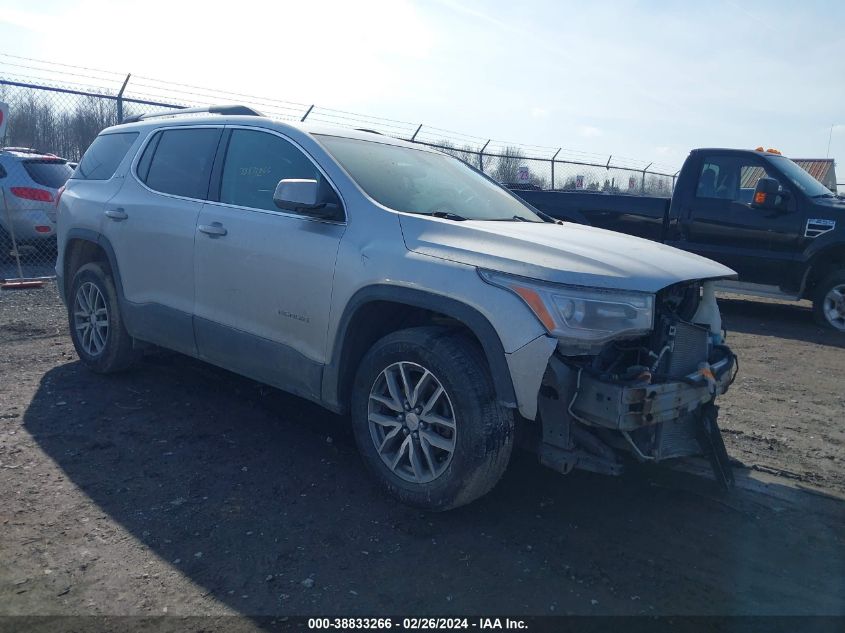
<point x="188" y="94"/>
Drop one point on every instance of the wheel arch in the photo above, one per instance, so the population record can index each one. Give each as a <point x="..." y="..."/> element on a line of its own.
<point x="82" y="246"/>
<point x="823" y="263"/>
<point x="375" y="311"/>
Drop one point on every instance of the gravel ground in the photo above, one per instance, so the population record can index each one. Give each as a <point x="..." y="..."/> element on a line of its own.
<point x="179" y="488"/>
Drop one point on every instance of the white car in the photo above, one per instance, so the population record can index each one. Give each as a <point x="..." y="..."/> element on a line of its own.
<point x="396" y="284"/>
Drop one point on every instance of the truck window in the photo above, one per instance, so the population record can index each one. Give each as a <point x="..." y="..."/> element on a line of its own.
<point x="748" y="177"/>
<point x="707" y="180"/>
<point x="730" y="178"/>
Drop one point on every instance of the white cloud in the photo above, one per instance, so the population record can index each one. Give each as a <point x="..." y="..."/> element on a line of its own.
<point x="589" y="131"/>
<point x="289" y="49"/>
<point x="539" y="113"/>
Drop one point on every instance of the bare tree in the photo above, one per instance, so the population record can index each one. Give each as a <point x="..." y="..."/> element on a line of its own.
<point x="467" y="153"/>
<point x="506" y="168"/>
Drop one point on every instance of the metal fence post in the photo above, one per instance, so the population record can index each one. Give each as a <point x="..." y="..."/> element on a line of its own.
<point x="307" y="112"/>
<point x="14" y="240"/>
<point x="481" y="156"/>
<point x="642" y="186"/>
<point x="417" y="132"/>
<point x="553" y="166"/>
<point x="120" y="99"/>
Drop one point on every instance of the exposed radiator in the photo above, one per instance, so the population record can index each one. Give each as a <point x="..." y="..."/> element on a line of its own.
<point x="688" y="347"/>
<point x="677" y="438"/>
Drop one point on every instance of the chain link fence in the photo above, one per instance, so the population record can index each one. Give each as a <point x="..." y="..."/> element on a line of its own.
<point x="51" y="125"/>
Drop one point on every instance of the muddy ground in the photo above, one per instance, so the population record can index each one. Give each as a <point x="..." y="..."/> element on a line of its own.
<point x="182" y="489"/>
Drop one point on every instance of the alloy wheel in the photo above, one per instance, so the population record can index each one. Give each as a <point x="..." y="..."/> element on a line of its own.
<point x="91" y="318"/>
<point x="834" y="307"/>
<point x="412" y="422"/>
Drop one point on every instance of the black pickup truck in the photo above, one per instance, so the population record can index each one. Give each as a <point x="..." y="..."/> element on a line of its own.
<point x="756" y="211"/>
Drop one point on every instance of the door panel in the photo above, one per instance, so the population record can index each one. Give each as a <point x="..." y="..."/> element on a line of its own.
<point x="269" y="278"/>
<point x="153" y="231"/>
<point x="720" y="223"/>
<point x="263" y="289"/>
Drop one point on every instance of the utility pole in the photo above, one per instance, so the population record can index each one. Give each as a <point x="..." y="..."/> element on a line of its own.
<point x="829" y="138"/>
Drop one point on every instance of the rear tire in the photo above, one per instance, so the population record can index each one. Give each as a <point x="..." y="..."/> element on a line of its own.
<point x="96" y="325"/>
<point x="829" y="301"/>
<point x="457" y="460"/>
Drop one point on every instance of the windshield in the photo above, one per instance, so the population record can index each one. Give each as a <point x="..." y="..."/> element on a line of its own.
<point x="804" y="181"/>
<point x="424" y="182"/>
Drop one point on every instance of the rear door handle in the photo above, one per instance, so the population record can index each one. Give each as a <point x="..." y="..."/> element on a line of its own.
<point x="215" y="229"/>
<point x="117" y="214"/>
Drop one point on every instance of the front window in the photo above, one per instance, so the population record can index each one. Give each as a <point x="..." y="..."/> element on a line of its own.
<point x="255" y="163"/>
<point x="424" y="182"/>
<point x="731" y="178"/>
<point x="804" y="181"/>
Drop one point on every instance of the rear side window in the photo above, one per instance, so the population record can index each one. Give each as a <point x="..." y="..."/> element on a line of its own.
<point x="48" y="173"/>
<point x="180" y="162"/>
<point x="103" y="156"/>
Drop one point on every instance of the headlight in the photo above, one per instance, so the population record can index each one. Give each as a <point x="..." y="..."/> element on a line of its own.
<point x="591" y="315"/>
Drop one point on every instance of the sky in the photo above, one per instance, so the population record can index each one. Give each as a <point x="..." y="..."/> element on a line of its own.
<point x="641" y="79"/>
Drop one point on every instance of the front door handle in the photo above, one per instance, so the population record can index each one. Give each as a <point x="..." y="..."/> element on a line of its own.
<point x="117" y="214"/>
<point x="215" y="229"/>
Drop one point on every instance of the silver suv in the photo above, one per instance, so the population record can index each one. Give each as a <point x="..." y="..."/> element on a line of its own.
<point x="398" y="285"/>
<point x="29" y="185"/>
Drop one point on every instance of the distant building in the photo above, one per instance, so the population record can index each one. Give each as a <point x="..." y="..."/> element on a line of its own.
<point x="822" y="169"/>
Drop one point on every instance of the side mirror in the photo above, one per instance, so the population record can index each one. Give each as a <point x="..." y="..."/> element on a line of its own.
<point x="293" y="194"/>
<point x="766" y="194"/>
<point x="306" y="196"/>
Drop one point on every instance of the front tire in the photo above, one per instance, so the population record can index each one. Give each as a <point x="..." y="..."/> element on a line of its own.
<point x="96" y="325"/>
<point x="829" y="301"/>
<point x="426" y="420"/>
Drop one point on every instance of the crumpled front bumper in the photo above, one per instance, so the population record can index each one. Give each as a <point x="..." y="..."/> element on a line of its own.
<point x="629" y="407"/>
<point x="587" y="420"/>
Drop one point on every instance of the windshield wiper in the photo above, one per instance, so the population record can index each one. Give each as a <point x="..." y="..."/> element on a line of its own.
<point x="447" y="215"/>
<point x="824" y="195"/>
<point x="519" y="218"/>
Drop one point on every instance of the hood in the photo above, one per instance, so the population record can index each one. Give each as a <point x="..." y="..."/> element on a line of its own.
<point x="837" y="203"/>
<point x="568" y="254"/>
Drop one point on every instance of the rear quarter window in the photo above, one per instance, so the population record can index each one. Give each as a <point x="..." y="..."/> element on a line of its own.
<point x="48" y="173"/>
<point x="104" y="155"/>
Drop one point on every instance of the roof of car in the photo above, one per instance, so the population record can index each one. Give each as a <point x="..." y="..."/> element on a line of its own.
<point x="263" y="121"/>
<point x="26" y="152"/>
<point x="733" y="150"/>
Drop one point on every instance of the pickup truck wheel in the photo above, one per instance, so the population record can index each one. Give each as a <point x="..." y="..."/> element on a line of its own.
<point x="426" y="420"/>
<point x="96" y="325"/>
<point x="829" y="301"/>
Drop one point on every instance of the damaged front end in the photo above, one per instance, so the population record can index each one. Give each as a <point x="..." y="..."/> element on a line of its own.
<point x="651" y="397"/>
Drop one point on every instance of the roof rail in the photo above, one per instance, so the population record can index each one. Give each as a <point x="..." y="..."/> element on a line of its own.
<point x="221" y="109"/>
<point x="363" y="129"/>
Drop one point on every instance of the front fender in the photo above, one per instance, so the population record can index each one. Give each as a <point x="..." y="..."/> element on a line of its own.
<point x="476" y="322"/>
